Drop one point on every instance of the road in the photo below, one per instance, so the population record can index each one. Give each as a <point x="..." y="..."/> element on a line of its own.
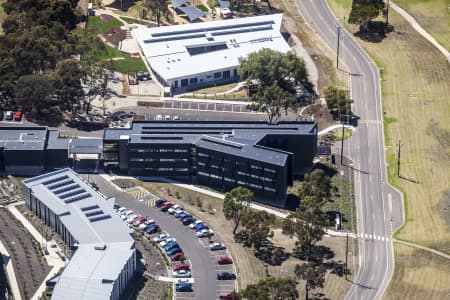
<point x="203" y="268"/>
<point x="379" y="207"/>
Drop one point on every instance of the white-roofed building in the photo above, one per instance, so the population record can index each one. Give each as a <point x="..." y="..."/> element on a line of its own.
<point x="200" y="54"/>
<point x="105" y="257"/>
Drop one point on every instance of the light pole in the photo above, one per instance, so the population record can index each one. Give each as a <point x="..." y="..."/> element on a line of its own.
<point x="338" y="44"/>
<point x="387" y="13"/>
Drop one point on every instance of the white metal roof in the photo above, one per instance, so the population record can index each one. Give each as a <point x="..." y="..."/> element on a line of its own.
<point x="104" y="241"/>
<point x="166" y="48"/>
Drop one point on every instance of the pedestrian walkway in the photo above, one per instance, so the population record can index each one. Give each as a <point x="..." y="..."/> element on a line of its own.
<point x="12" y="280"/>
<point x="54" y="256"/>
<point x="420" y="29"/>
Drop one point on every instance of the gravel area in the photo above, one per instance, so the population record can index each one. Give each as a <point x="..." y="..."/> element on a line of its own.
<point x="29" y="264"/>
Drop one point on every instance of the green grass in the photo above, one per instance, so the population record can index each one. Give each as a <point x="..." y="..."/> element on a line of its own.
<point x="97" y="26"/>
<point x="343" y="203"/>
<point x="336" y="135"/>
<point x="135" y="21"/>
<point x="202" y="7"/>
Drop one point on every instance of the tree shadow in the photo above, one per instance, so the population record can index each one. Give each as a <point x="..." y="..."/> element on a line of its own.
<point x="122" y="4"/>
<point x="374" y="31"/>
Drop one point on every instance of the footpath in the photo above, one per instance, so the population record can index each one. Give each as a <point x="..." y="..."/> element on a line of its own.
<point x="9" y="268"/>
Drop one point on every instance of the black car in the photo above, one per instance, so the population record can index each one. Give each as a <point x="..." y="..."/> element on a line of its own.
<point x="226" y="276"/>
<point x="142" y="76"/>
<point x="159" y="202"/>
<point x="187" y="221"/>
<point x="1" y="115"/>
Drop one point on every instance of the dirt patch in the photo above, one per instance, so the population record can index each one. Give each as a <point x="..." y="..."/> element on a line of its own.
<point x="115" y="36"/>
<point x="321" y="115"/>
<point x="106" y="18"/>
<point x="9" y="191"/>
<point x="29" y="264"/>
<point x="443" y="207"/>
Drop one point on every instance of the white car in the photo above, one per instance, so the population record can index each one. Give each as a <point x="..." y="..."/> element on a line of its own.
<point x="131" y="218"/>
<point x="126" y="214"/>
<point x="176" y="118"/>
<point x="182" y="274"/>
<point x="166" y="241"/>
<point x="145" y="224"/>
<point x="158" y="118"/>
<point x="195" y="223"/>
<point x="174" y="208"/>
<point x="167" y="117"/>
<point x="121" y="210"/>
<point x="216" y="246"/>
<point x="161" y="237"/>
<point x="205" y="233"/>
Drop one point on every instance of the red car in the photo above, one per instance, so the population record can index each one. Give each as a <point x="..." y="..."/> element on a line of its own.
<point x="176" y="256"/>
<point x="139" y="221"/>
<point x="227" y="296"/>
<point x="18" y="116"/>
<point x="166" y="206"/>
<point x="224" y="260"/>
<point x="181" y="266"/>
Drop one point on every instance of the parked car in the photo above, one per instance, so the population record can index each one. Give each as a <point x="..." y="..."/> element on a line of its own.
<point x="18" y="116"/>
<point x="216" y="246"/>
<point x="170" y="245"/>
<point x="176" y="118"/>
<point x="183" y="215"/>
<point x="166" y="206"/>
<point x="161" y="237"/>
<point x="121" y="210"/>
<point x="180" y="266"/>
<point x="226" y="276"/>
<point x="131" y="218"/>
<point x="143" y="76"/>
<point x="200" y="227"/>
<point x="175" y="207"/>
<point x="159" y="202"/>
<point x="195" y="223"/>
<point x="224" y="260"/>
<point x="152" y="228"/>
<point x="174" y="251"/>
<point x="1" y="115"/>
<point x="9" y="115"/>
<point x="205" y="233"/>
<point x="227" y="296"/>
<point x="177" y="256"/>
<point x="138" y="221"/>
<point x="167" y="117"/>
<point x="126" y="214"/>
<point x="182" y="274"/>
<point x="158" y="118"/>
<point x="187" y="221"/>
<point x="183" y="287"/>
<point x="146" y="223"/>
<point x="178" y="213"/>
<point x="166" y="241"/>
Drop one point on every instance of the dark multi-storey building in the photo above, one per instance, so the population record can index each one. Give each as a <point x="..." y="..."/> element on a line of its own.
<point x="31" y="150"/>
<point x="260" y="156"/>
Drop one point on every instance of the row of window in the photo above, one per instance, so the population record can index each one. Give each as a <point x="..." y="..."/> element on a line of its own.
<point x="159" y="150"/>
<point x="228" y="162"/>
<point x="240" y="182"/>
<point x="173" y="160"/>
<point x="161" y="169"/>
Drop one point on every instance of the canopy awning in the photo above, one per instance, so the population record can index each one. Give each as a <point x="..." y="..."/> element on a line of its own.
<point x="192" y="12"/>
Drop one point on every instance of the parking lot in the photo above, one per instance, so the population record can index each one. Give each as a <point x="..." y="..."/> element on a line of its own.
<point x="11" y="117"/>
<point x="203" y="261"/>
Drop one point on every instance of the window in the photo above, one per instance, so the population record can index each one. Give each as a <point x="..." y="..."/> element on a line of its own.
<point x="184" y="82"/>
<point x="203" y="174"/>
<point x="226" y="74"/>
<point x="242" y="182"/>
<point x="242" y="173"/>
<point x="181" y="169"/>
<point x="180" y="150"/>
<point x="215" y="176"/>
<point x="217" y="75"/>
<point x="193" y="80"/>
<point x="256" y="186"/>
<point x="269" y="189"/>
<point x="229" y="179"/>
<point x="136" y="159"/>
<point x="203" y="154"/>
<point x="270" y="170"/>
<point x="255" y="167"/>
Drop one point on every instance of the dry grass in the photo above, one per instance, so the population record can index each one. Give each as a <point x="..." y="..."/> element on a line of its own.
<point x="217" y="89"/>
<point x="426" y="276"/>
<point x="250" y="268"/>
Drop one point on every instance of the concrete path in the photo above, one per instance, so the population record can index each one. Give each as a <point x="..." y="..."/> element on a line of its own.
<point x="194" y="188"/>
<point x="420" y="29"/>
<point x="53" y="259"/>
<point x="331" y="128"/>
<point x="12" y="280"/>
<point x="441" y="254"/>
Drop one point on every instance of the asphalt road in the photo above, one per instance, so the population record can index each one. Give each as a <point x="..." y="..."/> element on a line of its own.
<point x="379" y="207"/>
<point x="203" y="267"/>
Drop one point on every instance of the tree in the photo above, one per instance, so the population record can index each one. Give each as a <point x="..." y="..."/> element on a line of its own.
<point x="312" y="274"/>
<point x="158" y="8"/>
<point x="364" y="11"/>
<point x="272" y="288"/>
<point x="338" y="101"/>
<point x="316" y="185"/>
<point x="68" y="75"/>
<point x="258" y="227"/>
<point x="277" y="76"/>
<point x="236" y="204"/>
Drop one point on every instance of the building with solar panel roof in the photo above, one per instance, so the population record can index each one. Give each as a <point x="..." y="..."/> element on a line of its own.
<point x="104" y="260"/>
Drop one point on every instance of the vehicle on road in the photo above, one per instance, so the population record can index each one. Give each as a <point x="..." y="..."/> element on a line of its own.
<point x="167" y="241"/>
<point x="182" y="274"/>
<point x="216" y="246"/>
<point x="18" y="116"/>
<point x="205" y="233"/>
<point x="9" y="115"/>
<point x="161" y="237"/>
<point x="187" y="221"/>
<point x="183" y="287"/>
<point x="151" y="229"/>
<point x="159" y="202"/>
<point x="224" y="260"/>
<point x="195" y="223"/>
<point x="176" y="256"/>
<point x="180" y="266"/>
<point x="174" y="251"/>
<point x="174" y="208"/>
<point x="226" y="276"/>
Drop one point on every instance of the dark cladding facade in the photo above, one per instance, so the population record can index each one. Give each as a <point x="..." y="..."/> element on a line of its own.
<point x="31" y="150"/>
<point x="222" y="155"/>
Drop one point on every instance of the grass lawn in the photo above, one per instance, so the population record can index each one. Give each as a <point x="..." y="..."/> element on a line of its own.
<point x="336" y="135"/>
<point x="217" y="89"/>
<point x="135" y="21"/>
<point x="432" y="15"/>
<point x="250" y="268"/>
<point x="415" y="93"/>
<point x="419" y="275"/>
<point x="124" y="65"/>
<point x="95" y="23"/>
<point x="202" y="7"/>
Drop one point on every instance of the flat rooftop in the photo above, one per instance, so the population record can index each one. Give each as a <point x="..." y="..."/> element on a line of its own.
<point x="236" y="138"/>
<point x="104" y="242"/>
<point x="181" y="51"/>
<point x="23" y="137"/>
